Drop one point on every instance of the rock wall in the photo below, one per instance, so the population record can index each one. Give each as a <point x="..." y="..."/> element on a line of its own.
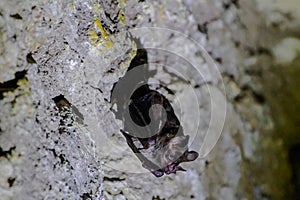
<point x="59" y="60"/>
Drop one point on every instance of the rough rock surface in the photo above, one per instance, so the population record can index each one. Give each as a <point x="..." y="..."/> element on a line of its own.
<point x="59" y="61"/>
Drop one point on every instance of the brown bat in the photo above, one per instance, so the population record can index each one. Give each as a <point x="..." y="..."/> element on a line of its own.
<point x="163" y="151"/>
<point x="161" y="146"/>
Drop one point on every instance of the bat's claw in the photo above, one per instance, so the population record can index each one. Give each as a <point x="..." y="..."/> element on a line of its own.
<point x="157" y="173"/>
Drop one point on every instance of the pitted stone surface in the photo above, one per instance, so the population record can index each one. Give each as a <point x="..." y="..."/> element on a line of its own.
<point x="79" y="49"/>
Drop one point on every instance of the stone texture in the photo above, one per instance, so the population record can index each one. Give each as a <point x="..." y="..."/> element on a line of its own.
<point x="59" y="138"/>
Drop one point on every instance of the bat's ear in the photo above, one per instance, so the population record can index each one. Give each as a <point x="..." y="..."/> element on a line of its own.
<point x="157" y="173"/>
<point x="191" y="155"/>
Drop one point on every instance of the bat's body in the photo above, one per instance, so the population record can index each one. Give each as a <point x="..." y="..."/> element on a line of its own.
<point x="161" y="145"/>
<point x="163" y="151"/>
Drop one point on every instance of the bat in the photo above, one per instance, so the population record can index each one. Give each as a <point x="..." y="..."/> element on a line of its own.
<point x="161" y="145"/>
<point x="162" y="152"/>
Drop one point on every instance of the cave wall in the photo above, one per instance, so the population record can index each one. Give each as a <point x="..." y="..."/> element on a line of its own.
<point x="59" y="60"/>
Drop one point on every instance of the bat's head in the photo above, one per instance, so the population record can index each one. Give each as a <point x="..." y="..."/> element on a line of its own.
<point x="174" y="152"/>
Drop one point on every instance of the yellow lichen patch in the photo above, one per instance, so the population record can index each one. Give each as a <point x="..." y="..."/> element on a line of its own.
<point x="132" y="53"/>
<point x="72" y="6"/>
<point x="108" y="44"/>
<point x="126" y="63"/>
<point x="14" y="156"/>
<point x="122" y="2"/>
<point x="162" y="12"/>
<point x="99" y="26"/>
<point x="93" y="36"/>
<point x="121" y="16"/>
<point x="23" y="83"/>
<point x="104" y="43"/>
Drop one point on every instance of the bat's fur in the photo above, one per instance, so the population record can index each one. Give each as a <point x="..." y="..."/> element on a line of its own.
<point x="167" y="146"/>
<point x="164" y="151"/>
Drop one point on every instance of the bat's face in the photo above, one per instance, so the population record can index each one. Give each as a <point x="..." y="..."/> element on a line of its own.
<point x="173" y="149"/>
<point x="174" y="152"/>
